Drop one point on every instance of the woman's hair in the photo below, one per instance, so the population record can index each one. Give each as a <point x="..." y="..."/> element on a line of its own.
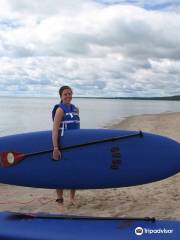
<point x="62" y="89"/>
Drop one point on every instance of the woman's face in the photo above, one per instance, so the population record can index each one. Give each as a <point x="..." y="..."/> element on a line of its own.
<point x="66" y="96"/>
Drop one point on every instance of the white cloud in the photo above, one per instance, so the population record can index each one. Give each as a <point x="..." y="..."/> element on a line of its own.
<point x="97" y="49"/>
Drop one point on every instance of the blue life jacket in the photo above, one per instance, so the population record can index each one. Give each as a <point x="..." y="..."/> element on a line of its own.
<point x="71" y="118"/>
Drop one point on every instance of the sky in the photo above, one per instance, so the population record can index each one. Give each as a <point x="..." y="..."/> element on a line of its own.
<point x="101" y="48"/>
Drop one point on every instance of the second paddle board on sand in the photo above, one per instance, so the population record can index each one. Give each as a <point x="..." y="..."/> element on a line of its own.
<point x="44" y="226"/>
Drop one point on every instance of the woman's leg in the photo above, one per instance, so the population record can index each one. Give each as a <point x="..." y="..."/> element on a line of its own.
<point x="72" y="196"/>
<point x="59" y="195"/>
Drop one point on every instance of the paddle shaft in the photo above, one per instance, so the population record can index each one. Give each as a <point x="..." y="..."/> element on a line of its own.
<point x="72" y="217"/>
<point x="112" y="139"/>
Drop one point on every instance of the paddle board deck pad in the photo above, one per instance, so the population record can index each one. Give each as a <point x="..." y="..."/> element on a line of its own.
<point x="57" y="227"/>
<point x="91" y="158"/>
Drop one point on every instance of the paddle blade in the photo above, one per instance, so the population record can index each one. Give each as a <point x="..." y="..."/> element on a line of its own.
<point x="9" y="159"/>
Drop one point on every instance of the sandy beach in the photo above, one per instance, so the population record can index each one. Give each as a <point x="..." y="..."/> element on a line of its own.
<point x="159" y="199"/>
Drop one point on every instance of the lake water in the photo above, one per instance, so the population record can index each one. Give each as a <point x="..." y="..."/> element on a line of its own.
<point x="19" y="115"/>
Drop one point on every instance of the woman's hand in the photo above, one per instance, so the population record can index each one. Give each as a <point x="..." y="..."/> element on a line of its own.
<point x="56" y="153"/>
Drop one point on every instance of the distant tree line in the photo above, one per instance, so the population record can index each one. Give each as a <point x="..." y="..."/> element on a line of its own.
<point x="170" y="98"/>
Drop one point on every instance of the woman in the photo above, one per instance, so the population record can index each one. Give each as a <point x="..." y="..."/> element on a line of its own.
<point x="65" y="117"/>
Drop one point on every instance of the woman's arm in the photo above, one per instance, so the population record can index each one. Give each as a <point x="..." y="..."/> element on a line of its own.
<point x="55" y="133"/>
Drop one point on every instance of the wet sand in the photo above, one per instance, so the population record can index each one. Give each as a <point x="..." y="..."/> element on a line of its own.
<point x="159" y="199"/>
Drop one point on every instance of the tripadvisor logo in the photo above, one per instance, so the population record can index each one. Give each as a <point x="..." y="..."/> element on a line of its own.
<point x="139" y="231"/>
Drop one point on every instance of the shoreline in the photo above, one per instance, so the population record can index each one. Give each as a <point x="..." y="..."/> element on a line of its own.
<point x="159" y="199"/>
<point x="164" y="124"/>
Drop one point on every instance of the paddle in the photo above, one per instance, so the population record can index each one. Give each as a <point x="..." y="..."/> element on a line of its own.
<point x="10" y="158"/>
<point x="17" y="215"/>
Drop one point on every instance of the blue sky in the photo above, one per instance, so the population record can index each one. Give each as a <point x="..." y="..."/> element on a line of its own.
<point x="99" y="48"/>
<point x="155" y="5"/>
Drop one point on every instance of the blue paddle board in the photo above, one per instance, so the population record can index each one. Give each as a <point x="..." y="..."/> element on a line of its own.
<point x="98" y="158"/>
<point x="15" y="226"/>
